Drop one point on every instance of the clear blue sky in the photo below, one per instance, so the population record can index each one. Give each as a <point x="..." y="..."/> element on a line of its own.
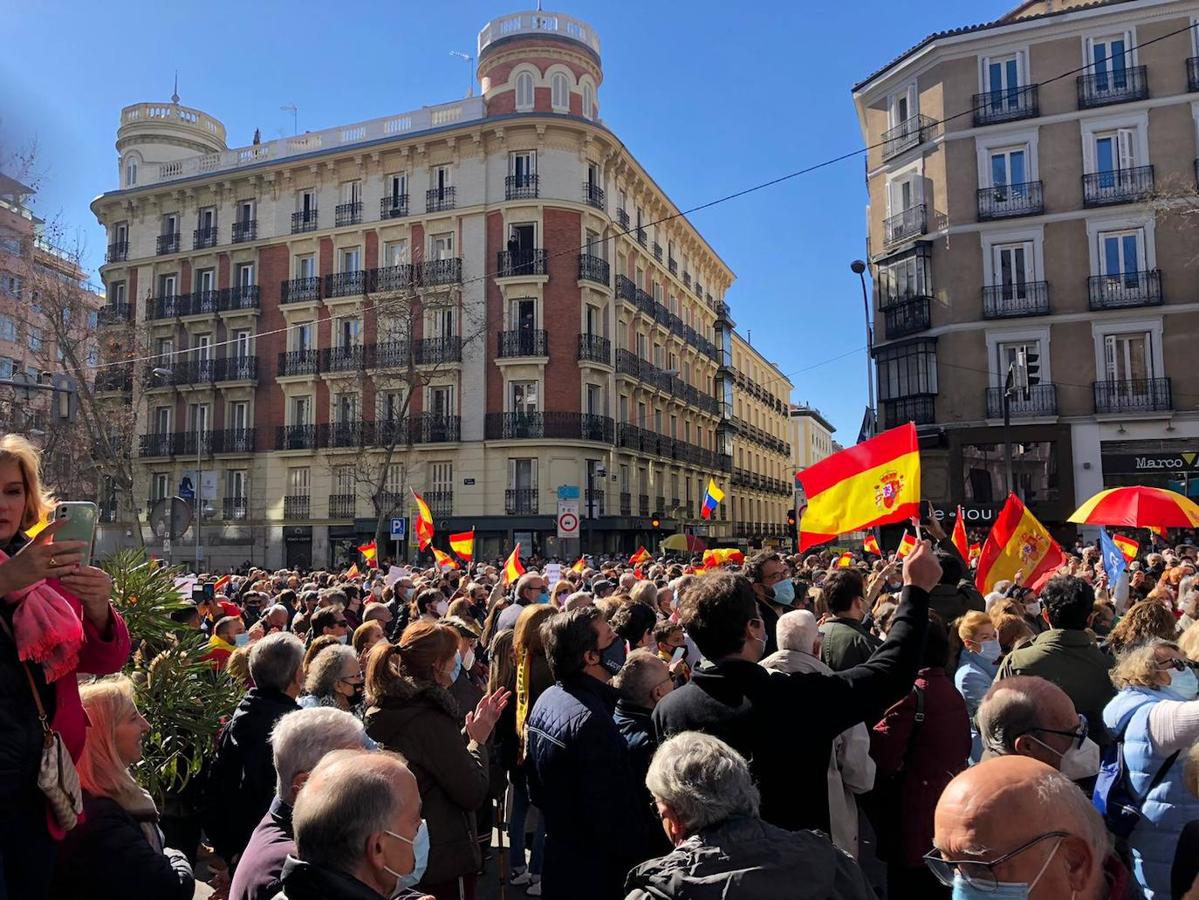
<point x="711" y="97"/>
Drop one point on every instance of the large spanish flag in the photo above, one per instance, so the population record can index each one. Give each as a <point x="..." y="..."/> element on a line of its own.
<point x="1017" y="542"/>
<point x="424" y="521"/>
<point x="512" y="568"/>
<point x="872" y="483"/>
<point x="463" y="543"/>
<point x="640" y="556"/>
<point x="714" y="559"/>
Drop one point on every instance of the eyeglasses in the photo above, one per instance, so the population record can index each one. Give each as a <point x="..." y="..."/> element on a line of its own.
<point x="1078" y="734"/>
<point x="1178" y="665"/>
<point x="978" y="874"/>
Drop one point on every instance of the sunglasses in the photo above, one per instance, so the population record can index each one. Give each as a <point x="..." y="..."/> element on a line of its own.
<point x="1178" y="665"/>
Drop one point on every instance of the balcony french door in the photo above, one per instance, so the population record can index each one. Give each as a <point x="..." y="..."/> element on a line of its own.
<point x="1128" y="364"/>
<point x="1109" y="63"/>
<point x="1009" y="169"/>
<point x="1013" y="269"/>
<point x="1121" y="259"/>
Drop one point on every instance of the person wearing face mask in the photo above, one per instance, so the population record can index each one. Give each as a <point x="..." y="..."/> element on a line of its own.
<point x="413" y="713"/>
<point x="706" y="803"/>
<point x="227" y="636"/>
<point x="785" y="724"/>
<point x="1155" y="715"/>
<point x="846" y="642"/>
<point x="976" y="668"/>
<point x="530" y="590"/>
<point x="1013" y="828"/>
<point x="333" y="679"/>
<point x="467" y="689"/>
<point x="774" y="592"/>
<point x="580" y="775"/>
<point x="358" y="831"/>
<point x="1028" y="716"/>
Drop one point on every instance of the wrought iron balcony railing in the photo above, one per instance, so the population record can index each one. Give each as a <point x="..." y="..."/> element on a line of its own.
<point x="568" y="426"/>
<point x="203" y="238"/>
<point x="909" y="317"/>
<point x="522" y="342"/>
<point x="295" y="437"/>
<point x="342" y="506"/>
<point x="1041" y="401"/>
<point x="118" y="251"/>
<point x="235" y="508"/>
<point x="1120" y="290"/>
<point x="1138" y="395"/>
<point x="346" y="284"/>
<point x="1017" y="298"/>
<point x="906" y="224"/>
<point x="439" y="199"/>
<point x="1006" y="105"/>
<point x="593" y="195"/>
<point x="298" y="362"/>
<point x="593" y="268"/>
<point x="241" y="297"/>
<point x="297" y="506"/>
<point x="115" y="314"/>
<point x="168" y="243"/>
<point x="1005" y="201"/>
<point x="245" y="230"/>
<point x="300" y="290"/>
<point x="520" y="501"/>
<point x="347" y="214"/>
<point x="234" y="440"/>
<point x="594" y="348"/>
<point x="393" y="206"/>
<point x="520" y="187"/>
<point x="906" y="134"/>
<point x="1117" y="186"/>
<point x="1122" y="85"/>
<point x="435" y="272"/>
<point x="918" y="408"/>
<point x="305" y="220"/>
<point x="514" y="263"/>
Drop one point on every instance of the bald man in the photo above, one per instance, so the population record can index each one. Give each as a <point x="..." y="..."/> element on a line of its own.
<point x="1016" y="821"/>
<point x="1029" y="716"/>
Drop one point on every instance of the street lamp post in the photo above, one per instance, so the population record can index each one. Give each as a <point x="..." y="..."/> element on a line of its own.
<point x="859" y="268"/>
<point x="198" y="488"/>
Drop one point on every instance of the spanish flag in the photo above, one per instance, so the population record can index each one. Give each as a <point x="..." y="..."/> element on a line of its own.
<point x="579" y="566"/>
<point x="444" y="560"/>
<point x="845" y="560"/>
<point x="424" y="521"/>
<point x="907" y="544"/>
<point x="640" y="556"/>
<point x="512" y="568"/>
<point x="1127" y="546"/>
<point x="872" y="483"/>
<point x="352" y="571"/>
<point x="870" y="545"/>
<point x="714" y="559"/>
<point x="463" y="543"/>
<point x="1017" y="542"/>
<point x="960" y="541"/>
<point x="976" y="550"/>
<point x="1157" y="530"/>
<point x="221" y="582"/>
<point x="370" y="553"/>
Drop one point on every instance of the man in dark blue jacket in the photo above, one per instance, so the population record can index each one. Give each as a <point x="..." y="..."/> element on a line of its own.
<point x="579" y="771"/>
<point x="784" y="725"/>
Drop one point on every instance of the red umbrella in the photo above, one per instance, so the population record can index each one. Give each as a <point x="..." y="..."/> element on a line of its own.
<point x="1138" y="507"/>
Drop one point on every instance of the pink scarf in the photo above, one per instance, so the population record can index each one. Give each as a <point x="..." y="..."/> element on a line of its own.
<point x="46" y="629"/>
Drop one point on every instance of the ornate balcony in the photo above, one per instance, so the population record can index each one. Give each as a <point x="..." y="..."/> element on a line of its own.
<point x="622" y="218"/>
<point x="569" y="426"/>
<point x="203" y="238"/>
<point x="909" y="317"/>
<point x="435" y="350"/>
<point x="1117" y="186"/>
<point x="515" y="263"/>
<point x="347" y="214"/>
<point x="520" y="187"/>
<point x="342" y="506"/>
<point x="520" y="501"/>
<point x="298" y="362"/>
<point x="1005" y="201"/>
<point x="593" y="195"/>
<point x="919" y="408"/>
<point x="346" y="284"/>
<point x="300" y="290"/>
<point x="906" y="224"/>
<point x="905" y="135"/>
<point x="393" y="206"/>
<point x="435" y="272"/>
<point x="522" y="342"/>
<point x="118" y="251"/>
<point x="245" y="230"/>
<point x="1019" y="298"/>
<point x="1138" y="395"/>
<point x="234" y="509"/>
<point x="234" y="440"/>
<point x="393" y="278"/>
<point x="304" y="221"/>
<point x="1006" y="105"/>
<point x="1117" y="86"/>
<point x="155" y="445"/>
<point x="593" y="268"/>
<point x="1041" y="402"/>
<point x="168" y="243"/>
<point x="594" y="348"/>
<point x="1120" y="290"/>
<point x="115" y="314"/>
<point x="241" y="297"/>
<point x="236" y="368"/>
<point x="295" y="437"/>
<point x="439" y="199"/>
<point x="297" y="506"/>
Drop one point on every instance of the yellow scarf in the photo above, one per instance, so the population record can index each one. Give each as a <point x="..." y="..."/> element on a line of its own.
<point x="524" y="674"/>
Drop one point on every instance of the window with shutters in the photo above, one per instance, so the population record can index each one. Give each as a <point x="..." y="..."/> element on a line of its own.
<point x="560" y="92"/>
<point x="524" y="91"/>
<point x="299" y="481"/>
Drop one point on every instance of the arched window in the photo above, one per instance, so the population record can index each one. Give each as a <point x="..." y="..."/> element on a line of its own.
<point x="560" y="92"/>
<point x="588" y="101"/>
<point x="130" y="171"/>
<point x="524" y="91"/>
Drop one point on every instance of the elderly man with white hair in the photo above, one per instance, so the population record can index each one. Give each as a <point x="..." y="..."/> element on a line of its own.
<point x="299" y="741"/>
<point x="708" y="805"/>
<point x="850" y="768"/>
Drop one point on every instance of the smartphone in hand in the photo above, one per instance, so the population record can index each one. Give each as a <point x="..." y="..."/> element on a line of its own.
<point x="80" y="525"/>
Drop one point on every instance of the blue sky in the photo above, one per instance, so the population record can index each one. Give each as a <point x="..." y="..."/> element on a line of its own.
<point x="711" y="97"/>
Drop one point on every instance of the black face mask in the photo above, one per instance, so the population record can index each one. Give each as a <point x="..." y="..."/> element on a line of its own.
<point x="613" y="656"/>
<point x="356" y="697"/>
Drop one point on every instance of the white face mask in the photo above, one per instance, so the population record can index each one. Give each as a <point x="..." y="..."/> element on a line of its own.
<point x="1077" y="763"/>
<point x="440" y="608"/>
<point x="468" y="661"/>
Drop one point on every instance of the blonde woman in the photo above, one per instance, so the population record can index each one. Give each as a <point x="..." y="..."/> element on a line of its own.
<point x="56" y="620"/>
<point x="116" y="853"/>
<point x="976" y="668"/>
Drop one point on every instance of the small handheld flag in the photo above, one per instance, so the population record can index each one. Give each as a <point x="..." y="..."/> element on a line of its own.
<point x="640" y="556"/>
<point x="976" y="550"/>
<point x="870" y="545"/>
<point x="352" y="571"/>
<point x="907" y="544"/>
<point x="512" y="568"/>
<point x="444" y="560"/>
<point x="579" y="566"/>
<point x="1127" y="546"/>
<point x="712" y="497"/>
<point x="370" y="553"/>
<point x="424" y="522"/>
<point x="1114" y="560"/>
<point x="960" y="541"/>
<point x="463" y="543"/>
<point x="221" y="582"/>
<point x="845" y="560"/>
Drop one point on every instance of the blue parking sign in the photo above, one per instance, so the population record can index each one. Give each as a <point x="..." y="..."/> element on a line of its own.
<point x="399" y="528"/>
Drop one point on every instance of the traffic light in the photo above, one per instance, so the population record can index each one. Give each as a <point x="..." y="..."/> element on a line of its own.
<point x="1032" y="367"/>
<point x="791" y="522"/>
<point x="656" y="521"/>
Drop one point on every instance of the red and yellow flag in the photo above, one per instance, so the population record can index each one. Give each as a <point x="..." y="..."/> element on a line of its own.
<point x="873" y="483"/>
<point x="424" y="521"/>
<point x="714" y="559"/>
<point x="370" y="553"/>
<point x="1158" y="530"/>
<point x="579" y="566"/>
<point x="907" y="544"/>
<point x="512" y="568"/>
<point x="960" y="541"/>
<point x="1127" y="546"/>
<point x="221" y="582"/>
<point x="444" y="560"/>
<point x="870" y="545"/>
<point x="845" y="560"/>
<point x="463" y="543"/>
<point x="1017" y="542"/>
<point x="640" y="556"/>
<point x="352" y="571"/>
<point x="976" y="550"/>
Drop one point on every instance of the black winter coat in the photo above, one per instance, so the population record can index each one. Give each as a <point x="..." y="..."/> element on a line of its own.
<point x="784" y="725"/>
<point x="637" y="727"/>
<point x="107" y="857"/>
<point x="241" y="783"/>
<point x="581" y="780"/>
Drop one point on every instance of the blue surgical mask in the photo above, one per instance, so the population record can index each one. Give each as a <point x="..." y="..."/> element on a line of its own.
<point x="457" y="667"/>
<point x="784" y="592"/>
<point x="544" y="597"/>
<point x="242" y="640"/>
<point x="989" y="651"/>
<point x="1184" y="685"/>
<point x="1004" y="890"/>
<point x="420" y="856"/>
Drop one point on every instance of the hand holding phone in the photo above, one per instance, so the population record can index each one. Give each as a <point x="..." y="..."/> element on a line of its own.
<point x="79" y="520"/>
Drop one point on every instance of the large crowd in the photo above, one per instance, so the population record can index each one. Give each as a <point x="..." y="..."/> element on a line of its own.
<point x="778" y="726"/>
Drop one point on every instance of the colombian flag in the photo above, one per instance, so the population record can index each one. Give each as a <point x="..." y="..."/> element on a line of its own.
<point x="714" y="559"/>
<point x="640" y="556"/>
<point x="444" y="560"/>
<point x="845" y="560"/>
<point x="873" y="483"/>
<point x="579" y="566"/>
<point x="907" y="544"/>
<point x="870" y="545"/>
<point x="221" y="582"/>
<point x="960" y="541"/>
<point x="463" y="543"/>
<point x="712" y="498"/>
<point x="1127" y="546"/>
<point x="512" y="568"/>
<point x="424" y="521"/>
<point x="370" y="553"/>
<point x="1017" y="542"/>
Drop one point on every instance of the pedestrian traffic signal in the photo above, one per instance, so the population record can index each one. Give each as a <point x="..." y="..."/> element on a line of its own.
<point x="656" y="521"/>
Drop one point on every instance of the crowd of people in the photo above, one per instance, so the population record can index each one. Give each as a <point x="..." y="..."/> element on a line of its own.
<point x="783" y="726"/>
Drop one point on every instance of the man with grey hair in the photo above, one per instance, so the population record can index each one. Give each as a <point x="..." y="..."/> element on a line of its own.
<point x="627" y="581"/>
<point x="276" y="618"/>
<point x="707" y="803"/>
<point x="850" y="768"/>
<point x="242" y="780"/>
<point x="529" y="589"/>
<point x="299" y="741"/>
<point x="358" y="830"/>
<point x="578" y="600"/>
<point x="1029" y="716"/>
<point x="642" y="681"/>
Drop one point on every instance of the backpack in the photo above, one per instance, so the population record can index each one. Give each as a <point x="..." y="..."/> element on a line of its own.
<point x="1114" y="797"/>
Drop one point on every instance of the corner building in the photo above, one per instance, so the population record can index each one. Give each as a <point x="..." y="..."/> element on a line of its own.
<point x="1029" y="181"/>
<point x="498" y="253"/>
